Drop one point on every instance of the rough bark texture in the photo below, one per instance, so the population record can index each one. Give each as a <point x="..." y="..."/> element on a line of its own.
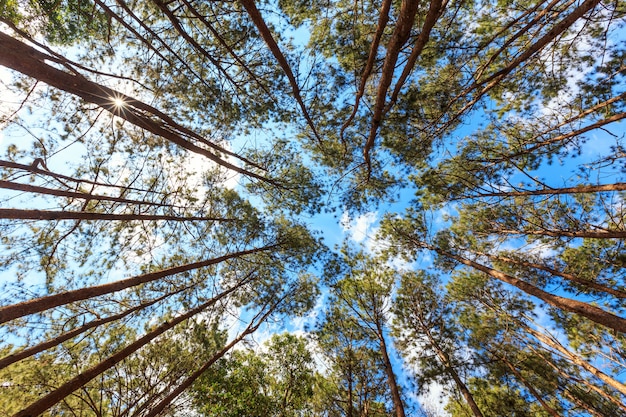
<point x="400" y="35"/>
<point x="10" y="359"/>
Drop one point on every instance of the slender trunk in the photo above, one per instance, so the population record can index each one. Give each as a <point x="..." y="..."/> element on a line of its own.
<point x="75" y="194"/>
<point x="581" y="404"/>
<point x="230" y="50"/>
<point x="582" y="381"/>
<point x="84" y="215"/>
<point x="383" y="18"/>
<point x="34" y="168"/>
<point x="435" y="10"/>
<point x="44" y="303"/>
<point x="57" y="395"/>
<point x="590" y="234"/>
<point x="569" y="277"/>
<point x="31" y="62"/>
<point x="493" y="80"/>
<point x="266" y="34"/>
<point x="252" y="327"/>
<point x="350" y="411"/>
<point x="391" y="377"/>
<point x="528" y="386"/>
<point x="401" y="33"/>
<point x="447" y="363"/>
<point x="579" y="189"/>
<point x="16" y="357"/>
<point x="589" y="311"/>
<point x="574" y="358"/>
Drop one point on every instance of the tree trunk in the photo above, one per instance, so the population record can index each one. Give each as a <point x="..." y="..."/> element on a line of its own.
<point x="16" y="357"/>
<point x="57" y="395"/>
<point x="391" y="377"/>
<point x="580" y="189"/>
<point x="252" y="327"/>
<point x="84" y="215"/>
<point x="574" y="358"/>
<point x="447" y="363"/>
<point x="586" y="310"/>
<point x="75" y="194"/>
<point x="528" y="386"/>
<point x="569" y="277"/>
<point x="31" y="62"/>
<point x="44" y="303"/>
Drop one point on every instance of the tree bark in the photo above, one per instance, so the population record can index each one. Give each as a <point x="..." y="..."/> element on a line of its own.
<point x="75" y="194"/>
<point x="447" y="363"/>
<point x="84" y="215"/>
<point x="266" y="34"/>
<point x="31" y="62"/>
<point x="57" y="395"/>
<point x="574" y="358"/>
<point x="593" y="313"/>
<point x="580" y="189"/>
<point x="528" y="386"/>
<point x="252" y="327"/>
<point x="33" y="350"/>
<point x="44" y="303"/>
<point x="391" y="377"/>
<point x="591" y="284"/>
<point x="401" y="33"/>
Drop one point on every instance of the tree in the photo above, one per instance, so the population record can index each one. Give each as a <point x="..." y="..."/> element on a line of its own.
<point x="362" y="289"/>
<point x="424" y="329"/>
<point x="278" y="382"/>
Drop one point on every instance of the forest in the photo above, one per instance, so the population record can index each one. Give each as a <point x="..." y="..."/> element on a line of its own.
<point x="299" y="208"/>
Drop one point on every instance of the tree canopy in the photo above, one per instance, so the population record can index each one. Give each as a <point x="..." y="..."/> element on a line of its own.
<point x="184" y="187"/>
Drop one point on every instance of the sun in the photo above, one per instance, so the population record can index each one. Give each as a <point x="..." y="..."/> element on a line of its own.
<point x="118" y="102"/>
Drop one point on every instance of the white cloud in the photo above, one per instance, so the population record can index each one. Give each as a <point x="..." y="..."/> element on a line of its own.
<point x="360" y="228"/>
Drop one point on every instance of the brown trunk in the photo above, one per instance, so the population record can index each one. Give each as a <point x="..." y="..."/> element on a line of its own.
<point x="435" y="10"/>
<point x="566" y="136"/>
<point x="569" y="277"/>
<point x="37" y="305"/>
<point x="581" y="404"/>
<point x="391" y="377"/>
<point x="221" y="40"/>
<point x="580" y="189"/>
<point x="528" y="386"/>
<point x="350" y="411"/>
<point x="447" y="363"/>
<point x="383" y="18"/>
<point x="183" y="34"/>
<point x="266" y="34"/>
<point x="84" y="215"/>
<point x="493" y="80"/>
<point x="586" y="310"/>
<point x="574" y="358"/>
<point x="57" y="395"/>
<point x="31" y="62"/>
<point x="10" y="359"/>
<point x="74" y="194"/>
<point x="252" y="327"/>
<point x="401" y="33"/>
<point x="589" y="234"/>
<point x="583" y="381"/>
<point x="34" y="168"/>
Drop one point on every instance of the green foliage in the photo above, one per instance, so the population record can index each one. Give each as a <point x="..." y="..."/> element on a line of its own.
<point x="278" y="382"/>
